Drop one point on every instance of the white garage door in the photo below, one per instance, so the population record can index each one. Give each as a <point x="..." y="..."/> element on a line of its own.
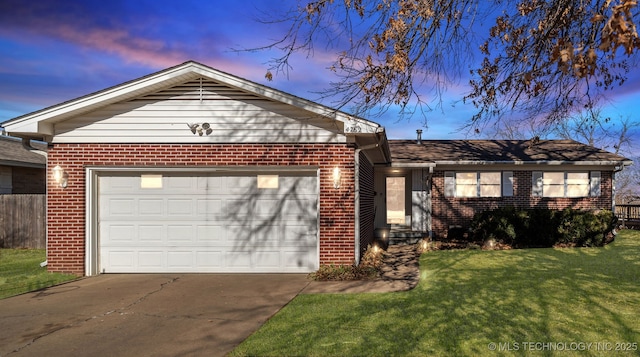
<point x="172" y="222"/>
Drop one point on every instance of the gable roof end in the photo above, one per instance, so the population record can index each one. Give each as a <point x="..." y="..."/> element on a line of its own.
<point x="39" y="124"/>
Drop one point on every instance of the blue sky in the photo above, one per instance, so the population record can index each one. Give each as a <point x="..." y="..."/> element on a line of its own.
<point x="53" y="51"/>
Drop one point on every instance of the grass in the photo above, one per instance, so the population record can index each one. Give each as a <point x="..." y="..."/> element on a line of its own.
<point x="20" y="272"/>
<point x="567" y="302"/>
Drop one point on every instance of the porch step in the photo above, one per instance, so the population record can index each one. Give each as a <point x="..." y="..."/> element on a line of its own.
<point x="396" y="236"/>
<point x="400" y="237"/>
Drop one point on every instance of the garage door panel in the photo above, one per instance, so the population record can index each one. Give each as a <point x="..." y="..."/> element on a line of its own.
<point x="298" y="236"/>
<point x="179" y="184"/>
<point x="209" y="233"/>
<point x="240" y="184"/>
<point x="237" y="260"/>
<point x="180" y="259"/>
<point x="294" y="260"/>
<point x="299" y="210"/>
<point x="267" y="259"/>
<point x="151" y="233"/>
<point x="266" y="208"/>
<point x="121" y="233"/>
<point x="179" y="233"/>
<point x="208" y="260"/>
<point x="119" y="184"/>
<point x="266" y="236"/>
<point x="209" y="207"/>
<point x="120" y="259"/>
<point x="150" y="207"/>
<point x="121" y="207"/>
<point x="207" y="223"/>
<point x="179" y="207"/>
<point x="150" y="260"/>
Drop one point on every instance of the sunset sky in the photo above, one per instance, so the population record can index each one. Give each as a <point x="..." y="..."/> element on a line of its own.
<point x="53" y="51"/>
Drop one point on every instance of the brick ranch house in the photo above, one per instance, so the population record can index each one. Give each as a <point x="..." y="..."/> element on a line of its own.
<point x="191" y="169"/>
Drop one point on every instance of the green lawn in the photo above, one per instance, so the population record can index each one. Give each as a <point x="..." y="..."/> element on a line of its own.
<point x="20" y="272"/>
<point x="564" y="302"/>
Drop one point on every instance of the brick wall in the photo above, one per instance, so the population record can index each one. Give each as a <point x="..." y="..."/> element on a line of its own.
<point x="452" y="211"/>
<point x="66" y="207"/>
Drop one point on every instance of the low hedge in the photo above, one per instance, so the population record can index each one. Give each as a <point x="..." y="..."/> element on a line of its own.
<point x="543" y="227"/>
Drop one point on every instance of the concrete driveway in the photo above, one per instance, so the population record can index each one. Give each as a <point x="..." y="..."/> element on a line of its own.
<point x="144" y="315"/>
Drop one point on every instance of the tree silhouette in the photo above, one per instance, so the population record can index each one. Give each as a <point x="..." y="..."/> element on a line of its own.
<point x="542" y="59"/>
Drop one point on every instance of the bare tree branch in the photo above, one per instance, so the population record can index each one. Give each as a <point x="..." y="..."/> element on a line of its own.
<point x="542" y="59"/>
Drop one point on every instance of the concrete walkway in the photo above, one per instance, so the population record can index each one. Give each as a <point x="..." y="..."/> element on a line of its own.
<point x="400" y="272"/>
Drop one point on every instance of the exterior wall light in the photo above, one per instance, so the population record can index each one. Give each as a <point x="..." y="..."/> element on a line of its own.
<point x="200" y="128"/>
<point x="337" y="176"/>
<point x="60" y="176"/>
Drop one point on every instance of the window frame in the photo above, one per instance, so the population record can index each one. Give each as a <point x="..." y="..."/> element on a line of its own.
<point x="592" y="185"/>
<point x="504" y="184"/>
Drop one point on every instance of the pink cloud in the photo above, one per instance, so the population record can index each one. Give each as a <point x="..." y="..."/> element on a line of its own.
<point x="153" y="53"/>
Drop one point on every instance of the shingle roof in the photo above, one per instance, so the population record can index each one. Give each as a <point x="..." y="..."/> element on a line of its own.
<point x="12" y="153"/>
<point x="498" y="151"/>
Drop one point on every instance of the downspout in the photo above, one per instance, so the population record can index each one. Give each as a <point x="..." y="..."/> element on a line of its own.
<point x="357" y="196"/>
<point x="26" y="143"/>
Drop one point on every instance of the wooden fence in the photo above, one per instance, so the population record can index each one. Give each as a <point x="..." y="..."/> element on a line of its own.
<point x="628" y="215"/>
<point x="23" y="221"/>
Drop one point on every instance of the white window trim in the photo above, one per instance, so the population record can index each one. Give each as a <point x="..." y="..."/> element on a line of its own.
<point x="505" y="183"/>
<point x="595" y="182"/>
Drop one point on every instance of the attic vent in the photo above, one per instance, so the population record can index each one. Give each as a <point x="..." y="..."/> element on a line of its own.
<point x="200" y="89"/>
<point x="419" y="138"/>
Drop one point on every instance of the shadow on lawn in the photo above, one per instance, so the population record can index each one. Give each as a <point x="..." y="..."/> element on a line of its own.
<point x="468" y="299"/>
<point x="537" y="295"/>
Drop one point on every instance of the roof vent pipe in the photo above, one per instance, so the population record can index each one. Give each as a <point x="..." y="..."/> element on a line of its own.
<point x="419" y="140"/>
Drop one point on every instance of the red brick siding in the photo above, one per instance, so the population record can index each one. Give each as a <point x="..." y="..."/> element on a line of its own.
<point x="367" y="203"/>
<point x="451" y="211"/>
<point x="66" y="207"/>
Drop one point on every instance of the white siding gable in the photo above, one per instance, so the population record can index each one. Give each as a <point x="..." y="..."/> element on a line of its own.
<point x="234" y="116"/>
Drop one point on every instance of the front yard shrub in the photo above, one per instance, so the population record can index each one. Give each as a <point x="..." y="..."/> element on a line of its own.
<point x="368" y="269"/>
<point x="539" y="228"/>
<point x="543" y="227"/>
<point x="585" y="228"/>
<point x="498" y="225"/>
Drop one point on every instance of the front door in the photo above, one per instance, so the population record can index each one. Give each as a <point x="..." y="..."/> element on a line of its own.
<point x="395" y="187"/>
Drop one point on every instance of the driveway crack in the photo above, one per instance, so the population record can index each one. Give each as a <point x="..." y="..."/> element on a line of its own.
<point x="76" y="324"/>
<point x="141" y="299"/>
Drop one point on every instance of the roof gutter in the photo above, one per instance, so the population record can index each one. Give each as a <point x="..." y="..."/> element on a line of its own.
<point x="414" y="165"/>
<point x="26" y="143"/>
<point x="539" y="162"/>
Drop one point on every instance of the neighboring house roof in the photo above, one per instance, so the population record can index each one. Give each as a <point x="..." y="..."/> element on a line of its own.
<point x="474" y="152"/>
<point x="13" y="153"/>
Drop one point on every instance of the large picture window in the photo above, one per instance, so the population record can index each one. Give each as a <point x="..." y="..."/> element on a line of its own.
<point x="478" y="184"/>
<point x="566" y="184"/>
